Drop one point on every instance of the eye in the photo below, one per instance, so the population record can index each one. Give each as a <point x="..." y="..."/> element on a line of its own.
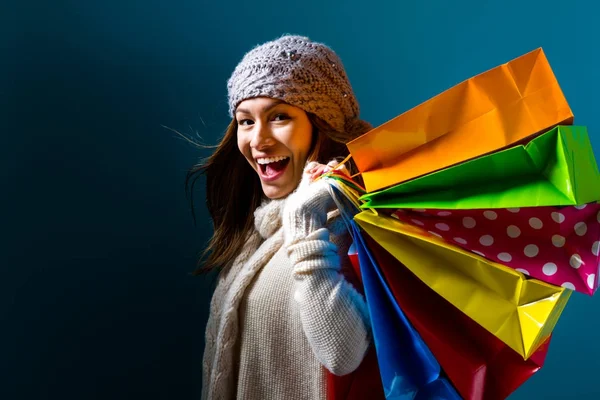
<point x="245" y="122"/>
<point x="280" y="117"/>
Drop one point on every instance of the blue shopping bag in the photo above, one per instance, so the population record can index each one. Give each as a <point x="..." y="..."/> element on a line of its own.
<point x="408" y="368"/>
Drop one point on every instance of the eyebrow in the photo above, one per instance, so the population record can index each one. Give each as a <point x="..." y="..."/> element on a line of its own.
<point x="264" y="109"/>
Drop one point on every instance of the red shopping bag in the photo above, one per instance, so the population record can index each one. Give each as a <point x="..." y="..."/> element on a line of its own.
<point x="478" y="364"/>
<point x="365" y="382"/>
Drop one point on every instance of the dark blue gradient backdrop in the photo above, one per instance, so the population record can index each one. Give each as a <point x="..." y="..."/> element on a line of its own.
<point x="98" y="242"/>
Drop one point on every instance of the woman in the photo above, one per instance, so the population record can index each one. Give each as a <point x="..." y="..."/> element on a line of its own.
<point x="284" y="314"/>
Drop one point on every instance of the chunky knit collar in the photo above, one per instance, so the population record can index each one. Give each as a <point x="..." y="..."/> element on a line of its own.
<point x="267" y="217"/>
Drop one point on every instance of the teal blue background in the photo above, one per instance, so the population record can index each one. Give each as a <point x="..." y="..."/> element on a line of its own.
<point x="96" y="299"/>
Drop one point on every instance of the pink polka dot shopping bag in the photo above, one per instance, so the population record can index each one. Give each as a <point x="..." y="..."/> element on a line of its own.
<point x="559" y="245"/>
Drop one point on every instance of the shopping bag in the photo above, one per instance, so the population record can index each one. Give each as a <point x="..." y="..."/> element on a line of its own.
<point x="479" y="365"/>
<point x="408" y="369"/>
<point x="485" y="113"/>
<point x="353" y="256"/>
<point x="558" y="245"/>
<point x="345" y="193"/>
<point x="557" y="168"/>
<point x="363" y="383"/>
<point x="519" y="311"/>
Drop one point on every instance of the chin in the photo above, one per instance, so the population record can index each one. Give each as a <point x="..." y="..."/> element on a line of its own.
<point x="274" y="193"/>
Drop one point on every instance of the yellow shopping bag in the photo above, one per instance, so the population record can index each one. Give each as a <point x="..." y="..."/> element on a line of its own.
<point x="519" y="311"/>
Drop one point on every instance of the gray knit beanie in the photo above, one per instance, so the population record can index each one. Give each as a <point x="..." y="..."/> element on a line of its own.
<point x="302" y="73"/>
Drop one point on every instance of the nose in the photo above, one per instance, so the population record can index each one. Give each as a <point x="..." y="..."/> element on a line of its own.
<point x="261" y="136"/>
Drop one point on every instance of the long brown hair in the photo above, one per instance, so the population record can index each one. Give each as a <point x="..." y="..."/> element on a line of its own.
<point x="227" y="170"/>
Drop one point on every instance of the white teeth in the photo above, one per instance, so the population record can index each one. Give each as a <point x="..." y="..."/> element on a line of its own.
<point x="268" y="160"/>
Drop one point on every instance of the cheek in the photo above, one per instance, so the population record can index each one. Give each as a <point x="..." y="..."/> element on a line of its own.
<point x="243" y="145"/>
<point x="306" y="148"/>
<point x="244" y="149"/>
<point x="302" y="144"/>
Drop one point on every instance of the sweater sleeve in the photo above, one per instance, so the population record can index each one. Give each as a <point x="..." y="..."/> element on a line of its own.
<point x="334" y="315"/>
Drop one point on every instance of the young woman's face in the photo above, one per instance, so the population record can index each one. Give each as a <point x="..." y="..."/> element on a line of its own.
<point x="275" y="138"/>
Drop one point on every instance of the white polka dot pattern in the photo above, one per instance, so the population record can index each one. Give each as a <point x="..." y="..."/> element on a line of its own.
<point x="505" y="257"/>
<point x="442" y="226"/>
<point x="513" y="231"/>
<point x="469" y="222"/>
<point x="491" y="215"/>
<point x="486" y="240"/>
<point x="558" y="217"/>
<point x="549" y="269"/>
<point x="531" y="250"/>
<point x="536" y="223"/>
<point x="523" y="271"/>
<point x="558" y="245"/>
<point x="558" y="241"/>
<point x="581" y="228"/>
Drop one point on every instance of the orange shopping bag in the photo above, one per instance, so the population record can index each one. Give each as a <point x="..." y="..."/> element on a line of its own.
<point x="482" y="114"/>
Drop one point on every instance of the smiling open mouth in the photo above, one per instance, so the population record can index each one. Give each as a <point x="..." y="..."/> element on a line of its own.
<point x="271" y="166"/>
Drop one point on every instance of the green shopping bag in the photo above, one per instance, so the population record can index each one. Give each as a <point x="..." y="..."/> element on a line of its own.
<point x="557" y="168"/>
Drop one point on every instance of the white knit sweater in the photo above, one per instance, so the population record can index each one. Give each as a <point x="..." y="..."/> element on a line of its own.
<point x="283" y="310"/>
